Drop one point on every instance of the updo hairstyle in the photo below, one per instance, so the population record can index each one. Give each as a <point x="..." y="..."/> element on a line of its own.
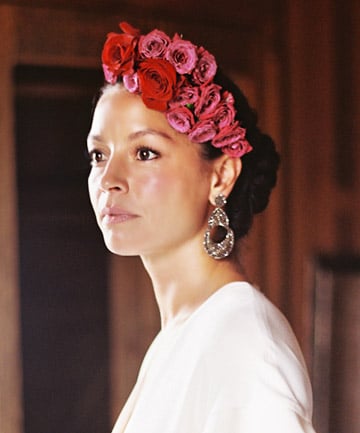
<point x="252" y="189"/>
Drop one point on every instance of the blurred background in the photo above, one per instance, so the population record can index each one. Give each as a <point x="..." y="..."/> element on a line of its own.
<point x="75" y="321"/>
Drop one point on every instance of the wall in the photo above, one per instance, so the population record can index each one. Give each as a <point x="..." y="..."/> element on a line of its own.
<point x="299" y="65"/>
<point x="10" y="373"/>
<point x="322" y="152"/>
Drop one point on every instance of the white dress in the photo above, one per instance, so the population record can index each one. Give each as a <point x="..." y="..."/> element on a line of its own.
<point x="234" y="366"/>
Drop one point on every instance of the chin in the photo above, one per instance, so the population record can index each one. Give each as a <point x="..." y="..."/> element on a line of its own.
<point x="123" y="253"/>
<point x="120" y="248"/>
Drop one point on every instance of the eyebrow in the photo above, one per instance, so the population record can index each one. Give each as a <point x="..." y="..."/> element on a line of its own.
<point x="149" y="131"/>
<point x="94" y="138"/>
<point x="135" y="135"/>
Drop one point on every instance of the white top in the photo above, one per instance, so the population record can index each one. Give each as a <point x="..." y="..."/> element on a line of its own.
<point x="234" y="366"/>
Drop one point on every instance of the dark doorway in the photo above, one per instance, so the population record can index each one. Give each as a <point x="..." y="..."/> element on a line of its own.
<point x="63" y="263"/>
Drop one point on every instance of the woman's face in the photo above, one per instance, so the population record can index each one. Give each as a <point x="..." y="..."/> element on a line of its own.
<point x="148" y="184"/>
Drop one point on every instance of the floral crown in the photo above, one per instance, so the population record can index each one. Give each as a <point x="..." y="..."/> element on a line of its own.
<point x="176" y="77"/>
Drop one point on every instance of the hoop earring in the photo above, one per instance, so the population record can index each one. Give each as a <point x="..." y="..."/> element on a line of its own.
<point x="218" y="237"/>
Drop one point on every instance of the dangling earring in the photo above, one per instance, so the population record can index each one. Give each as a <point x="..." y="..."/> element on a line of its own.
<point x="219" y="237"/>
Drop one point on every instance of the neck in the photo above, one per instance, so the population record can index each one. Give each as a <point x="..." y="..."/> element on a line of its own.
<point x="185" y="278"/>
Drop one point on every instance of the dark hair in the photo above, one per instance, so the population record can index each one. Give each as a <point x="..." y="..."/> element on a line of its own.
<point x="251" y="191"/>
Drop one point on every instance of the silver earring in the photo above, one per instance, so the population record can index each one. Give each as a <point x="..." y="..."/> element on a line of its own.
<point x="219" y="237"/>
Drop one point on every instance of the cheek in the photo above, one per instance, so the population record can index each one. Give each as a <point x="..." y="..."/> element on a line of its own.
<point x="154" y="188"/>
<point x="171" y="191"/>
<point x="93" y="190"/>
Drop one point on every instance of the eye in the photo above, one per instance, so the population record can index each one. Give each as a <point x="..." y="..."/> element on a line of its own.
<point x="95" y="156"/>
<point x="146" y="154"/>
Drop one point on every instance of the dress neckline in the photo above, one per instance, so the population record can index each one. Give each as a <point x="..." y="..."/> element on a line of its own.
<point x="174" y="328"/>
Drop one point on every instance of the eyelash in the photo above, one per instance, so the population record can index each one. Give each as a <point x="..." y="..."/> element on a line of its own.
<point x="93" y="154"/>
<point x="146" y="149"/>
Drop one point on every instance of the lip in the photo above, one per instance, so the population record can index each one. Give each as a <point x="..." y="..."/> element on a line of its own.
<point x="115" y="215"/>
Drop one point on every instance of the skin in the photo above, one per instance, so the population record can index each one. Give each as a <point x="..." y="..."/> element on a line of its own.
<point x="152" y="194"/>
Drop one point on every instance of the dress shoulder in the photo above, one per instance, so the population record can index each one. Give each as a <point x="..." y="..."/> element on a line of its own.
<point x="251" y="346"/>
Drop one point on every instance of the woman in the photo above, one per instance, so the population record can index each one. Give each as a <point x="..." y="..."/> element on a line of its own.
<point x="179" y="168"/>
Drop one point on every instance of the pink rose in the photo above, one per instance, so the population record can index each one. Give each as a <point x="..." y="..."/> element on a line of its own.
<point x="232" y="140"/>
<point x="154" y="44"/>
<point x="228" y="97"/>
<point x="209" y="98"/>
<point x="205" y="68"/>
<point x="182" y="55"/>
<point x="237" y="149"/>
<point x="228" y="135"/>
<point x="180" y="118"/>
<point x="131" y="82"/>
<point x="185" y="95"/>
<point x="203" y="131"/>
<point x="224" y="113"/>
<point x="110" y="77"/>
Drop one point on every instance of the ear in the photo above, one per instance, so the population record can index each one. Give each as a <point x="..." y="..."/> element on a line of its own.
<point x="226" y="170"/>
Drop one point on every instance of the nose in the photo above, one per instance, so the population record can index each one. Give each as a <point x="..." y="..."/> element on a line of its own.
<point x="113" y="177"/>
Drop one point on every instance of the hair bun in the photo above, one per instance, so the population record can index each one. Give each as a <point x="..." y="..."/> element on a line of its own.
<point x="263" y="164"/>
<point x="251" y="191"/>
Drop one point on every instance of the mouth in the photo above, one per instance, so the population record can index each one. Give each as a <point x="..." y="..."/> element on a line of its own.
<point x="113" y="215"/>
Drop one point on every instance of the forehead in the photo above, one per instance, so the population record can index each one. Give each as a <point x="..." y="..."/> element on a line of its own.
<point x="123" y="113"/>
<point x="118" y="106"/>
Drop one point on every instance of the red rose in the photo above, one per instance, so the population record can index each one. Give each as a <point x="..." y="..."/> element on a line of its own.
<point x="118" y="53"/>
<point x="129" y="29"/>
<point x="157" y="79"/>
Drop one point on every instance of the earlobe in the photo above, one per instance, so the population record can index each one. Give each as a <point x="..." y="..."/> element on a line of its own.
<point x="226" y="171"/>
